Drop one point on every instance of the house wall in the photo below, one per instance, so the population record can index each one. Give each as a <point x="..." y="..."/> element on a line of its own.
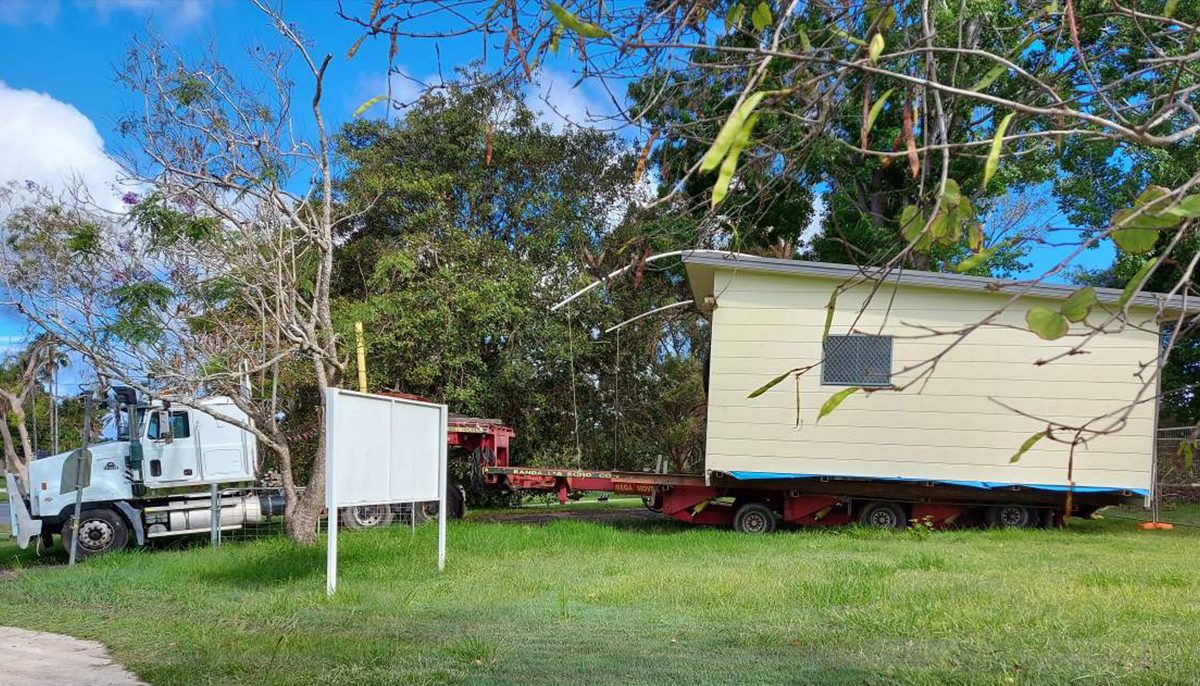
<point x="949" y="427"/>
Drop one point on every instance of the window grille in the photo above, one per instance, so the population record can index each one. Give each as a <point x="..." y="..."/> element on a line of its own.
<point x="857" y="360"/>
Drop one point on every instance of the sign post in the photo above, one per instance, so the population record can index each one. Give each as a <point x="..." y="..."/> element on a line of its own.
<point x="83" y="475"/>
<point x="382" y="450"/>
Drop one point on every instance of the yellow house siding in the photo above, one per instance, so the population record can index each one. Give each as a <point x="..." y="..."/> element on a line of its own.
<point x="951" y="426"/>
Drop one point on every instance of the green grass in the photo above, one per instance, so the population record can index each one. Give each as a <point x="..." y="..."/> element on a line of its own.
<point x="642" y="603"/>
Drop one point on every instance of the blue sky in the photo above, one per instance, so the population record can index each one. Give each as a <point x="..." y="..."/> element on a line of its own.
<point x="59" y="101"/>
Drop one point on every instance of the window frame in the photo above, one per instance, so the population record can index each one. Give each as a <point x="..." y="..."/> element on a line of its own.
<point x="825" y="356"/>
<point x="152" y="422"/>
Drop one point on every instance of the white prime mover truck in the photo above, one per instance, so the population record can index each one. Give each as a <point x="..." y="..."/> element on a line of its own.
<point x="152" y="480"/>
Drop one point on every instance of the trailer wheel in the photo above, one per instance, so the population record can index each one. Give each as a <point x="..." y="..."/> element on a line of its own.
<point x="366" y="516"/>
<point x="754" y="518"/>
<point x="881" y="514"/>
<point x="100" y="531"/>
<point x="1013" y="516"/>
<point x="456" y="506"/>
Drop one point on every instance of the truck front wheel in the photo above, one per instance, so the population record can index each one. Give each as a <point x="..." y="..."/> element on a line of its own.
<point x="100" y="531"/>
<point x="754" y="518"/>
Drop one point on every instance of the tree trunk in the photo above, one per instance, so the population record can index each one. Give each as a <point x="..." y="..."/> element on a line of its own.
<point x="13" y="462"/>
<point x="302" y="513"/>
<point x="21" y="464"/>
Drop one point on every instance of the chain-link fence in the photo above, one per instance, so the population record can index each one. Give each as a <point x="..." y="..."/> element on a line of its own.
<point x="1177" y="479"/>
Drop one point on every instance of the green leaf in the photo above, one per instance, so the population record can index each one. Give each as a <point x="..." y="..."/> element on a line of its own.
<point x="369" y="104"/>
<point x="1076" y="307"/>
<point x="876" y="108"/>
<point x="733" y="18"/>
<point x="1046" y="323"/>
<point x="1029" y="443"/>
<point x="761" y="18"/>
<point x="835" y="400"/>
<point x="773" y="383"/>
<point x="989" y="78"/>
<point x="975" y="236"/>
<point x="729" y="132"/>
<point x="974" y="261"/>
<point x="1188" y="208"/>
<point x="729" y="166"/>
<point x="805" y="43"/>
<point x="829" y="308"/>
<point x="911" y="223"/>
<point x="993" y="159"/>
<point x="570" y="21"/>
<point x="952" y="195"/>
<point x="1169" y="8"/>
<point x="84" y="238"/>
<point x="848" y="38"/>
<point x="876" y="47"/>
<point x="1132" y="237"/>
<point x="1154" y="198"/>
<point x="1135" y="283"/>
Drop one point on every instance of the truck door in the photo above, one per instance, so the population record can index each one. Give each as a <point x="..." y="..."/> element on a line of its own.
<point x="170" y="449"/>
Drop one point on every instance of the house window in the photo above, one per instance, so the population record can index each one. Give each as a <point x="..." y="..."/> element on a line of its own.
<point x="857" y="360"/>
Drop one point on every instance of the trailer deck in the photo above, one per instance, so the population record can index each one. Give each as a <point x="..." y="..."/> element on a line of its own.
<point x="721" y="499"/>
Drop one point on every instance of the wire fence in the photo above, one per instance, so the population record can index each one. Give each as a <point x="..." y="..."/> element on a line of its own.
<point x="1177" y="479"/>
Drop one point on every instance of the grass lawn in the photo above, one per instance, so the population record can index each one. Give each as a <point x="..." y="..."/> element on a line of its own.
<point x="642" y="602"/>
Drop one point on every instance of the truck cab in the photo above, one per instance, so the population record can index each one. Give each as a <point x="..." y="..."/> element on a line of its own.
<point x="146" y="481"/>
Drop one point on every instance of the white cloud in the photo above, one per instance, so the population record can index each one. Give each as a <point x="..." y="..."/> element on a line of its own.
<point x="558" y="101"/>
<point x="176" y="13"/>
<point x="403" y="88"/>
<point x="23" y="12"/>
<point x="49" y="142"/>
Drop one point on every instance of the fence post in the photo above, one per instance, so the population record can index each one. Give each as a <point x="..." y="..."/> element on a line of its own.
<point x="214" y="517"/>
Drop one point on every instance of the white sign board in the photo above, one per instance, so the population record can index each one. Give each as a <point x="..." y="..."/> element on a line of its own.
<point x="382" y="450"/>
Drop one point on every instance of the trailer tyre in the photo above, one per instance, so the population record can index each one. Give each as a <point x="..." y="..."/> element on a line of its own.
<point x="100" y="531"/>
<point x="883" y="515"/>
<point x="1013" y="516"/>
<point x="456" y="505"/>
<point x="366" y="516"/>
<point x="754" y="518"/>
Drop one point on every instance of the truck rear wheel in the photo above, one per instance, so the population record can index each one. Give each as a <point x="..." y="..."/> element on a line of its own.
<point x="100" y="531"/>
<point x="754" y="518"/>
<point x="1013" y="516"/>
<point x="366" y="516"/>
<point x="881" y="514"/>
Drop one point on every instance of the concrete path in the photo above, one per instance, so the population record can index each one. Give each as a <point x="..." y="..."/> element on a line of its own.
<point x="36" y="658"/>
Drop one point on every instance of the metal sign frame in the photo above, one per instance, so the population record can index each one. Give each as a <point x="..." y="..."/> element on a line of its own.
<point x="331" y="477"/>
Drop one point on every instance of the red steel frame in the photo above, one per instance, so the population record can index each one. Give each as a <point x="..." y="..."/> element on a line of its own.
<point x="713" y="500"/>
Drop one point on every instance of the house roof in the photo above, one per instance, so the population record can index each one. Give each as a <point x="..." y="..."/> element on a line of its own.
<point x="701" y="264"/>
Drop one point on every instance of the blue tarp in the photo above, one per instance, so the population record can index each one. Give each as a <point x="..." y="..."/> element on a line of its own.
<point x="985" y="485"/>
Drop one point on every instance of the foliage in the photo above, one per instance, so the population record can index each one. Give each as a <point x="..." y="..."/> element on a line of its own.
<point x="473" y="219"/>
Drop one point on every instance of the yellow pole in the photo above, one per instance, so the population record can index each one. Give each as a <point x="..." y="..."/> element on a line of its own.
<point x="362" y="356"/>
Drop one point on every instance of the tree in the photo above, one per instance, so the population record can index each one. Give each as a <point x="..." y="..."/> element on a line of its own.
<point x="472" y="217"/>
<point x="19" y="379"/>
<point x="220" y="272"/>
<point x="974" y="86"/>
